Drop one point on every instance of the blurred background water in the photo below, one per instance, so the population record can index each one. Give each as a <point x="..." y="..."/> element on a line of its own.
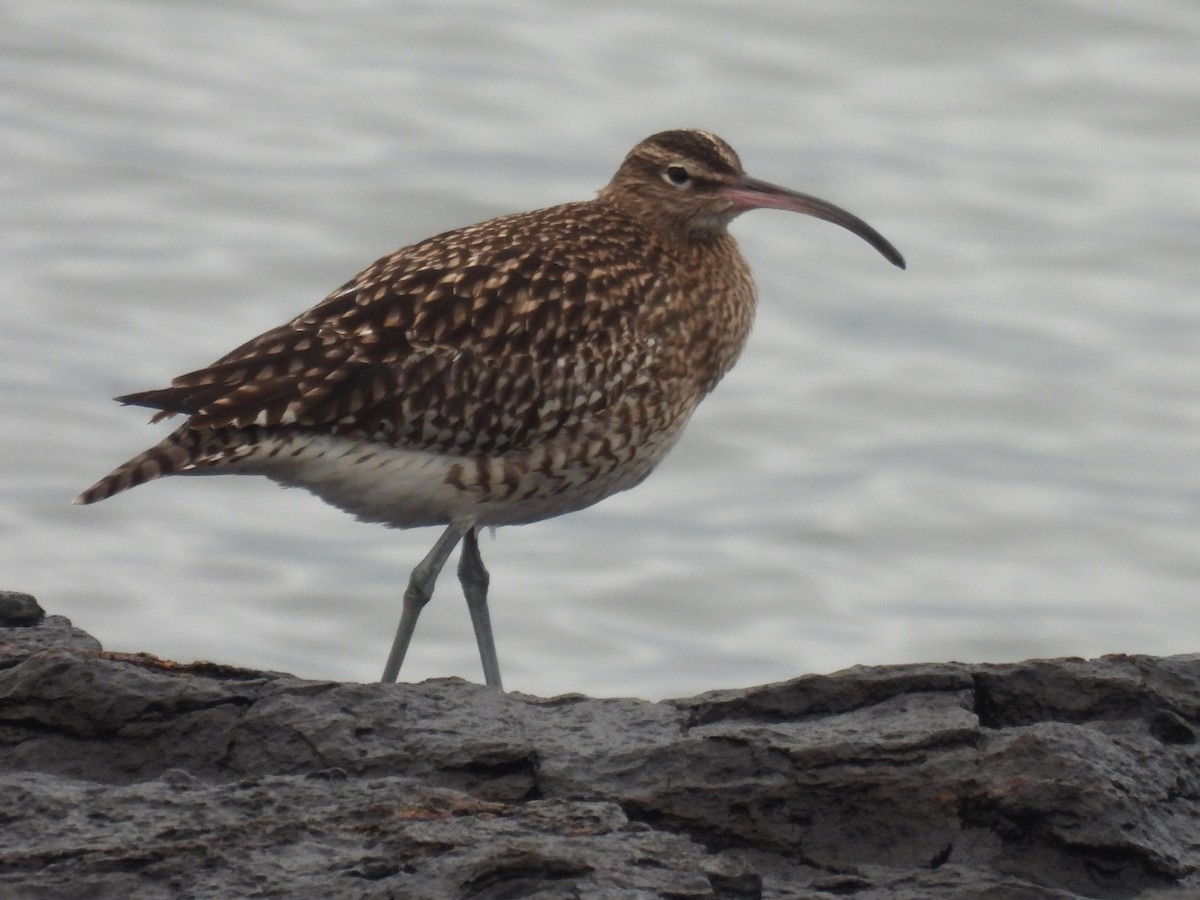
<point x="990" y="456"/>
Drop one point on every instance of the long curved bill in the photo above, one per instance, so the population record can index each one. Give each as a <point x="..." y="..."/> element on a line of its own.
<point x="750" y="193"/>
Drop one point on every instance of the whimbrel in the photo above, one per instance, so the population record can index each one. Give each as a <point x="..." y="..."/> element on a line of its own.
<point x="498" y="374"/>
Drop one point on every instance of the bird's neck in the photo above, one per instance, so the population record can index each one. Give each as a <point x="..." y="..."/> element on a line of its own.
<point x="715" y="308"/>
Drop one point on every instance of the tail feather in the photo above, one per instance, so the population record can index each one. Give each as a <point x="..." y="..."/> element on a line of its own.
<point x="173" y="454"/>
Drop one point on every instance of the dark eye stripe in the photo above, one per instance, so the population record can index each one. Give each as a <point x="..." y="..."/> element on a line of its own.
<point x="706" y="149"/>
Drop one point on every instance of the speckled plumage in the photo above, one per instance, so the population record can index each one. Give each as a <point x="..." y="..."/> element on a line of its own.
<point x="497" y="374"/>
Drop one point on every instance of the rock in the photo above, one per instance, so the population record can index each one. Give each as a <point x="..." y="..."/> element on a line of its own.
<point x="17" y="609"/>
<point x="129" y="776"/>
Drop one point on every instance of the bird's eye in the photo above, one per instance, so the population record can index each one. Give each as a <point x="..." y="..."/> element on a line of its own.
<point x="676" y="175"/>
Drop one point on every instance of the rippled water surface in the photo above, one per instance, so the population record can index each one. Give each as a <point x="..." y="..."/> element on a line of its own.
<point x="990" y="456"/>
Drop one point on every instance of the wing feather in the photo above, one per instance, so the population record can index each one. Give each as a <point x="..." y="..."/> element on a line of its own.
<point x="477" y="339"/>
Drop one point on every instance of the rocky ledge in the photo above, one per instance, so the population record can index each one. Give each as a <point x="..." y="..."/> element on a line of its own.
<point x="130" y="776"/>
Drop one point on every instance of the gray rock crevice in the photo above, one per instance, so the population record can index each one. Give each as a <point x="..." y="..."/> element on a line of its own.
<point x="125" y="775"/>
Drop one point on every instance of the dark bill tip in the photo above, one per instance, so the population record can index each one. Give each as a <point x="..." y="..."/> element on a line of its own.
<point x="750" y="193"/>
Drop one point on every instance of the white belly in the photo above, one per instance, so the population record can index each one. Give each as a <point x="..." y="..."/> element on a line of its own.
<point x="411" y="488"/>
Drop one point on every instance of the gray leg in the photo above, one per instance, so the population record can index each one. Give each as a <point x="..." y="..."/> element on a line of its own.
<point x="420" y="589"/>
<point x="474" y="578"/>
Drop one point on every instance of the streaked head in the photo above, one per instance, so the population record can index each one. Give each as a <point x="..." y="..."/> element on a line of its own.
<point x="694" y="181"/>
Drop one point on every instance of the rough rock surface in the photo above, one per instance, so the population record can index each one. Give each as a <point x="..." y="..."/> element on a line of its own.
<point x="129" y="776"/>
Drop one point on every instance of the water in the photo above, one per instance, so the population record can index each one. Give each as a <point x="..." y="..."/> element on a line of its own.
<point x="989" y="457"/>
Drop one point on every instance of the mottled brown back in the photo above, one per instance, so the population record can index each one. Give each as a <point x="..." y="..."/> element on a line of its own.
<point x="485" y="338"/>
